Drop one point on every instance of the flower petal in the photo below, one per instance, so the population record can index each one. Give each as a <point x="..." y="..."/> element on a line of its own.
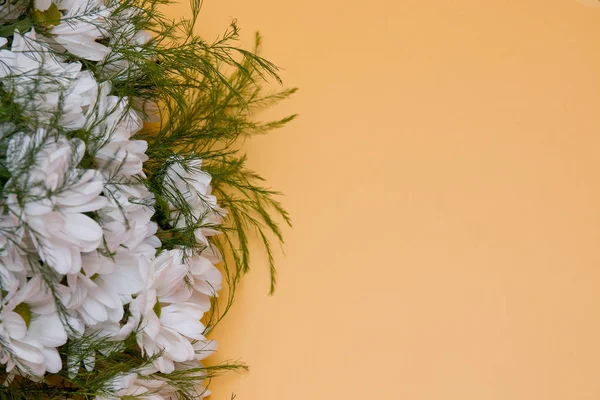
<point x="47" y="330"/>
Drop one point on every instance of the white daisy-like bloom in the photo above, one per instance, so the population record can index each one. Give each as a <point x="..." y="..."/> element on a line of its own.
<point x="13" y="260"/>
<point x="124" y="33"/>
<point x="202" y="281"/>
<point x="181" y="287"/>
<point x="94" y="303"/>
<point x="127" y="226"/>
<point x="114" y="151"/>
<point x="204" y="277"/>
<point x="126" y="156"/>
<point x="116" y="280"/>
<point x="44" y="85"/>
<point x="130" y="384"/>
<point x="14" y="352"/>
<point x="155" y="336"/>
<point x="50" y="195"/>
<point x="169" y="273"/>
<point x="138" y="384"/>
<point x="31" y="330"/>
<point x="173" y="307"/>
<point x="129" y="236"/>
<point x="126" y="219"/>
<point x="83" y="23"/>
<point x="99" y="301"/>
<point x="194" y="185"/>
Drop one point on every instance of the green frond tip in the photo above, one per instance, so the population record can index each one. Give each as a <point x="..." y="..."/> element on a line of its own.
<point x="206" y="112"/>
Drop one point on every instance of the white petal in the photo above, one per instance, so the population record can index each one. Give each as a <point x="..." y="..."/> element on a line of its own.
<point x="91" y="205"/>
<point x="53" y="361"/>
<point x="177" y="348"/>
<point x="42" y="5"/>
<point x="164" y="365"/>
<point x="14" y="325"/>
<point x="27" y="352"/>
<point x="59" y="255"/>
<point x="182" y="323"/>
<point x="47" y="330"/>
<point x="83" y="46"/>
<point x="85" y="230"/>
<point x="95" y="310"/>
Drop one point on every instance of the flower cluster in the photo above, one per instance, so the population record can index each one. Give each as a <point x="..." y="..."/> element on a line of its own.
<point x="79" y="252"/>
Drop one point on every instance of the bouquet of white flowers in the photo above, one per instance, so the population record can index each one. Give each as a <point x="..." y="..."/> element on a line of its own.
<point x="122" y="188"/>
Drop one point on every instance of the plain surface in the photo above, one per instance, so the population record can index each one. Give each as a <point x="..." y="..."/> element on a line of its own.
<point x="444" y="183"/>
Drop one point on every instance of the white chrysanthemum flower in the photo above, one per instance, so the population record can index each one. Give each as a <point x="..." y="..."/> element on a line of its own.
<point x="129" y="236"/>
<point x="169" y="275"/>
<point x="205" y="278"/>
<point x="12" y="256"/>
<point x="194" y="185"/>
<point x="184" y="318"/>
<point x="127" y="228"/>
<point x="171" y="311"/>
<point x="50" y="196"/>
<point x="126" y="219"/>
<point x="114" y="282"/>
<point x="154" y="337"/>
<point x="44" y="85"/>
<point x="14" y="351"/>
<point x="94" y="303"/>
<point x="114" y="151"/>
<point x="83" y="23"/>
<point x="31" y="330"/>
<point x="118" y="121"/>
<point x="125" y="157"/>
<point x="201" y="282"/>
<point x="130" y="385"/>
<point x="124" y="33"/>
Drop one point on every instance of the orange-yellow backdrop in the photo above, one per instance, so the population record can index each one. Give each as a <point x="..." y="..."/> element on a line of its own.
<point x="444" y="179"/>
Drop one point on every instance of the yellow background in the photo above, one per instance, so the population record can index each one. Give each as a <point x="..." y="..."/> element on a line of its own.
<point x="444" y="183"/>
